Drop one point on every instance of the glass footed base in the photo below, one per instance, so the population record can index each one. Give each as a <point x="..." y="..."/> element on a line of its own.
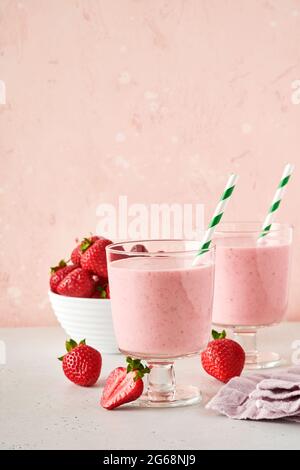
<point x="182" y="396"/>
<point x="246" y="336"/>
<point x="262" y="360"/>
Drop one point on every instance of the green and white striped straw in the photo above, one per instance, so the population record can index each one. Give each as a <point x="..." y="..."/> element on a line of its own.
<point x="217" y="216"/>
<point x="287" y="172"/>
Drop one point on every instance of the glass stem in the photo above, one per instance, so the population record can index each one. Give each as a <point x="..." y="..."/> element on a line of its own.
<point x="161" y="382"/>
<point x="247" y="338"/>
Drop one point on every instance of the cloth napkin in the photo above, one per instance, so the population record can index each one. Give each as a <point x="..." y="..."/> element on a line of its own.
<point x="261" y="396"/>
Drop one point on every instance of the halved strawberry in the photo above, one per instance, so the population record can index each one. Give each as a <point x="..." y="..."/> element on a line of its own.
<point x="124" y="385"/>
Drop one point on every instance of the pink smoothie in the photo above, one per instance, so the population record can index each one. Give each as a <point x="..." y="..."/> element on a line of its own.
<point x="161" y="306"/>
<point x="251" y="282"/>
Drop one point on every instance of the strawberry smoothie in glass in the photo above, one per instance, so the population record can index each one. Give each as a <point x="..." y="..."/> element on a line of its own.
<point x="161" y="307"/>
<point x="251" y="283"/>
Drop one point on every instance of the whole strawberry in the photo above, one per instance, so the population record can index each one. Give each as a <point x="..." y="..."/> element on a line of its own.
<point x="93" y="257"/>
<point x="72" y="281"/>
<point x="76" y="253"/>
<point x="124" y="385"/>
<point x="223" y="358"/>
<point x="82" y="363"/>
<point x="58" y="273"/>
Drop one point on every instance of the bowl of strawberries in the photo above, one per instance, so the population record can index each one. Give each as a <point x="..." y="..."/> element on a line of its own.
<point x="79" y="295"/>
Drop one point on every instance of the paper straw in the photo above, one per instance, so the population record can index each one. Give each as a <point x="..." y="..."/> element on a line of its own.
<point x="217" y="216"/>
<point x="287" y="171"/>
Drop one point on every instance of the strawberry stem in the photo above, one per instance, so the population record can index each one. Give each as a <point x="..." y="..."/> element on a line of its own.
<point x="136" y="365"/>
<point x="61" y="264"/>
<point x="71" y="344"/>
<point x="85" y="244"/>
<point x="216" y="335"/>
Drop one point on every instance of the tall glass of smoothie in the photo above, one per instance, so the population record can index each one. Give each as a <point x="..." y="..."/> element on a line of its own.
<point x="161" y="307"/>
<point x="251" y="283"/>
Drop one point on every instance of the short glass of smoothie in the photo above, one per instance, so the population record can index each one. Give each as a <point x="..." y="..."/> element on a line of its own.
<point x="251" y="283"/>
<point x="162" y="308"/>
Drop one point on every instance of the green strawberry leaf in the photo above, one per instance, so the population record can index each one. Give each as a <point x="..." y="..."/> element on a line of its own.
<point x="71" y="344"/>
<point x="82" y="341"/>
<point x="60" y="358"/>
<point x="216" y="335"/>
<point x="102" y="292"/>
<point x="61" y="264"/>
<point x="137" y="366"/>
<point x="85" y="244"/>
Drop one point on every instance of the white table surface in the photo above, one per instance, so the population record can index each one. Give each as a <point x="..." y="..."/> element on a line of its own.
<point x="41" y="409"/>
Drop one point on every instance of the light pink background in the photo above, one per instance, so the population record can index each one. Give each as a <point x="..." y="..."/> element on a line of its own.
<point x="157" y="100"/>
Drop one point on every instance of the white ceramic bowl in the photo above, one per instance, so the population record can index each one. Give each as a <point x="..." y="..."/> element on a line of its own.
<point x="88" y="319"/>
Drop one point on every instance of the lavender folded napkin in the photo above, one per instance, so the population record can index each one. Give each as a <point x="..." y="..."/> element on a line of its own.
<point x="273" y="395"/>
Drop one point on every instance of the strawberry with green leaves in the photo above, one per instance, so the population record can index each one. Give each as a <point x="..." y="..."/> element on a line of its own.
<point x="92" y="256"/>
<point x="59" y="272"/>
<point x="77" y="252"/>
<point x="124" y="385"/>
<point x="223" y="358"/>
<point x="82" y="363"/>
<point x="71" y="280"/>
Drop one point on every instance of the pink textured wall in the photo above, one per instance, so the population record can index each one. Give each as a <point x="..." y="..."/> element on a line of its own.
<point x="158" y="100"/>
